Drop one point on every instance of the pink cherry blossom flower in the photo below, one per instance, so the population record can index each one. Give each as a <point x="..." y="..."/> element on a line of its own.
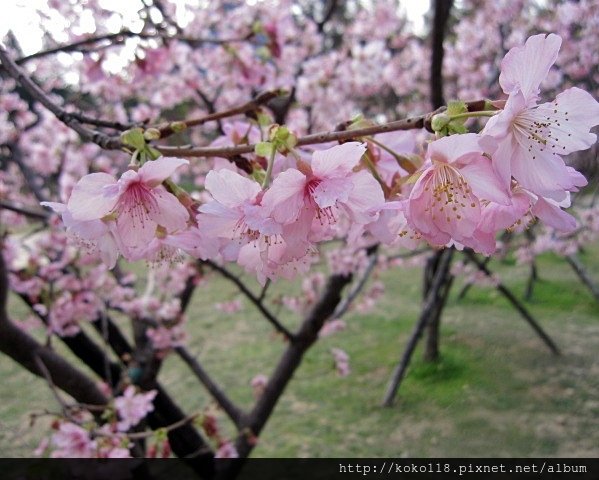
<point x="250" y="236"/>
<point x="341" y="359"/>
<point x="163" y="338"/>
<point x="325" y="189"/>
<point x="226" y="450"/>
<point x="235" y="213"/>
<point x="133" y="407"/>
<point x="232" y="306"/>
<point x="331" y="327"/>
<point x="258" y="383"/>
<point x="96" y="235"/>
<point x="531" y="138"/>
<point x="138" y="203"/>
<point x="72" y="441"/>
<point x="445" y="203"/>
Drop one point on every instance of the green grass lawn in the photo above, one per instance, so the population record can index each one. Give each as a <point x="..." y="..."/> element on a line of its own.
<point x="497" y="390"/>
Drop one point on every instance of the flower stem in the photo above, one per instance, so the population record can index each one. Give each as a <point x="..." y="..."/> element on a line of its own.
<point x="483" y="113"/>
<point x="271" y="162"/>
<point x="404" y="162"/>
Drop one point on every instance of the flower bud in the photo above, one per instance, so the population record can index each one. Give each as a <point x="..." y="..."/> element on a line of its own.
<point x="440" y="121"/>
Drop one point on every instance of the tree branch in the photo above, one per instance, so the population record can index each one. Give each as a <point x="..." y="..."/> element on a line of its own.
<point x="253" y="298"/>
<point x="26" y="351"/>
<point x="234" y="412"/>
<point x="428" y="309"/>
<point x="515" y="303"/>
<point x="115" y="39"/>
<point x="24" y="210"/>
<point x="286" y="367"/>
<point x="358" y="286"/>
<point x="420" y="121"/>
<point x="250" y="106"/>
<point x="17" y="73"/>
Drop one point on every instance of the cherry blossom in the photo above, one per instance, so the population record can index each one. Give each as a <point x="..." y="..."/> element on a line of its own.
<point x="533" y="137"/>
<point x="133" y="407"/>
<point x="138" y="204"/>
<point x="72" y="441"/>
<point x="325" y="189"/>
<point x="445" y="203"/>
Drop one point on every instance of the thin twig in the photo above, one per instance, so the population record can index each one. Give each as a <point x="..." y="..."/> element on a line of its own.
<point x="356" y="289"/>
<point x="16" y="72"/>
<point x="233" y="411"/>
<point x="111" y="143"/>
<point x="547" y="340"/>
<point x="253" y="298"/>
<point x="119" y="38"/>
<point x="46" y="374"/>
<point x="420" y="121"/>
<point x="432" y="298"/>
<point x="24" y="210"/>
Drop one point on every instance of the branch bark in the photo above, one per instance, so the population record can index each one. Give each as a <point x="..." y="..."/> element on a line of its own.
<point x="252" y="298"/>
<point x="16" y="72"/>
<point x="26" y="351"/>
<point x="432" y="298"/>
<point x="234" y="412"/>
<point x="516" y="304"/>
<point x="286" y="367"/>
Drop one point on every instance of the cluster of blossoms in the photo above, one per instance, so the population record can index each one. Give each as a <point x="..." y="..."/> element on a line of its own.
<point x="469" y="187"/>
<point x="80" y="437"/>
<point x="506" y="171"/>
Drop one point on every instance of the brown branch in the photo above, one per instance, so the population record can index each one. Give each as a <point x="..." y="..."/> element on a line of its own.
<point x="421" y="121"/>
<point x="332" y="5"/>
<point x="99" y="122"/>
<point x="24" y="210"/>
<point x="358" y="286"/>
<point x="119" y="38"/>
<point x="250" y="106"/>
<point x="115" y="38"/>
<point x="442" y="9"/>
<point x="252" y="298"/>
<point x="111" y="143"/>
<point x="234" y="412"/>
<point x="27" y="352"/>
<point x="17" y="73"/>
<point x="286" y="367"/>
<point x="515" y="303"/>
<point x="433" y="294"/>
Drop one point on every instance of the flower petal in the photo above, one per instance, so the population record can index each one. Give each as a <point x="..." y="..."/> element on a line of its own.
<point x="157" y="171"/>
<point x="285" y="198"/>
<point x="452" y="148"/>
<point x="170" y="213"/>
<point x="89" y="199"/>
<point x="338" y="160"/>
<point x="485" y="184"/>
<point x="526" y="67"/>
<point x="230" y="188"/>
<point x="554" y="216"/>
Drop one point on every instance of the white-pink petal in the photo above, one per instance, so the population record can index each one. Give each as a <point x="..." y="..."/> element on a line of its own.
<point x="525" y="67"/>
<point x="338" y="160"/>
<point x="157" y="171"/>
<point x="89" y="199"/>
<point x="230" y="188"/>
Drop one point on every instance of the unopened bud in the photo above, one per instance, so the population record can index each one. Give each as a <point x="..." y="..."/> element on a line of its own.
<point x="134" y="138"/>
<point x="440" y="121"/>
<point x="152" y="134"/>
<point x="178" y="126"/>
